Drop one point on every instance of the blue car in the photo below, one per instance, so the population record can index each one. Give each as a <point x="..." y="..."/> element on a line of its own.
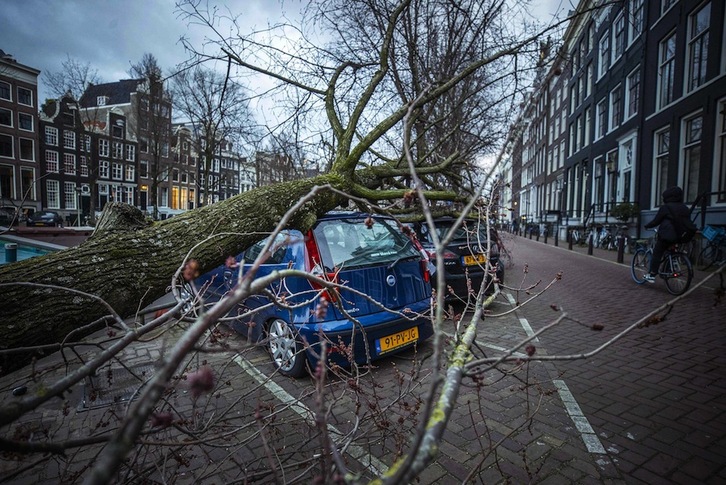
<point x="384" y="311"/>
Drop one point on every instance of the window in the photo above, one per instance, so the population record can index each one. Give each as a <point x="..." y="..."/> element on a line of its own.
<point x="103" y="148"/>
<point x="601" y="124"/>
<point x="118" y="171"/>
<point x="69" y="163"/>
<point x="130" y="153"/>
<point x="588" y="124"/>
<point x="27" y="182"/>
<point x="143" y="169"/>
<point x="51" y="161"/>
<point x="87" y="143"/>
<point x="666" y="67"/>
<point x="665" y="5"/>
<point x="51" y="136"/>
<point x="69" y="139"/>
<point x="165" y="149"/>
<point x="70" y="195"/>
<point x="84" y="166"/>
<point x="6" y="146"/>
<point x="5" y="92"/>
<point x="25" y="96"/>
<point x="6" y="117"/>
<point x="691" y="157"/>
<point x="619" y="34"/>
<point x="7" y="181"/>
<point x="130" y="173"/>
<point x="25" y="122"/>
<point x="720" y="158"/>
<point x="697" y="47"/>
<point x="604" y="54"/>
<point x="27" y="149"/>
<point x="143" y="145"/>
<point x="632" y="93"/>
<point x="175" y="175"/>
<point x="616" y="110"/>
<point x="636" y="19"/>
<point x="118" y="150"/>
<point x="103" y="169"/>
<point x="117" y="131"/>
<point x="101" y="100"/>
<point x="52" y="192"/>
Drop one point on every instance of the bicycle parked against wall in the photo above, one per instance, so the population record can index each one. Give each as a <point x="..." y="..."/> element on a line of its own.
<point x="715" y="251"/>
<point x="675" y="268"/>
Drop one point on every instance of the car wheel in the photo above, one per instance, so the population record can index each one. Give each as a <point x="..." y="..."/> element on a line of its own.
<point x="286" y="350"/>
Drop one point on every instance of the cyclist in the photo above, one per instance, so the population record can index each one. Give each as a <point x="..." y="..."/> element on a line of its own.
<point x="672" y="207"/>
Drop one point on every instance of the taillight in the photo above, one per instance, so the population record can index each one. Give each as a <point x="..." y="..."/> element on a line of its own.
<point x="315" y="266"/>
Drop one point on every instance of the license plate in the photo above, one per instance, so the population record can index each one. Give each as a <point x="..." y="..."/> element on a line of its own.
<point x="397" y="340"/>
<point x="475" y="259"/>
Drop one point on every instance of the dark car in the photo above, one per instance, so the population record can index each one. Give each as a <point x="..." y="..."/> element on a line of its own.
<point x="383" y="312"/>
<point x="465" y="256"/>
<point x="45" y="218"/>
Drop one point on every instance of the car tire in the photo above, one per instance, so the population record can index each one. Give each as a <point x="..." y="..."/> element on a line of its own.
<point x="285" y="348"/>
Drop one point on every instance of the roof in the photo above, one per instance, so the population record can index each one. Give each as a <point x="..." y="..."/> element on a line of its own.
<point x="118" y="92"/>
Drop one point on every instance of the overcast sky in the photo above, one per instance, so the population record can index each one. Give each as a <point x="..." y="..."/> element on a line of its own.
<point x="111" y="35"/>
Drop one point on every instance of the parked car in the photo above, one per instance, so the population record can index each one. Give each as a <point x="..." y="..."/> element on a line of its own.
<point x="464" y="256"/>
<point x="8" y="216"/>
<point x="45" y="218"/>
<point x="371" y="256"/>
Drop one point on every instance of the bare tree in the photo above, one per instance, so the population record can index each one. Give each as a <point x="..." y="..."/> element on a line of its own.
<point x="217" y="110"/>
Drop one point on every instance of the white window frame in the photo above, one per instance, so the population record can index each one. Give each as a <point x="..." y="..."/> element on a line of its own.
<point x="620" y="38"/>
<point x="661" y="151"/>
<point x="26" y="116"/>
<point x="687" y="178"/>
<point x="32" y="149"/>
<point x="103" y="169"/>
<point x="130" y="173"/>
<point x="117" y="171"/>
<point x="719" y="160"/>
<point x="52" y="161"/>
<point x="604" y="52"/>
<point x="666" y="71"/>
<point x="130" y="153"/>
<point x="632" y="93"/>
<point x="615" y="105"/>
<point x="69" y="163"/>
<point x="696" y="51"/>
<point x="635" y="23"/>
<point x="51" y="136"/>
<point x="103" y="147"/>
<point x="7" y="88"/>
<point x="70" y="196"/>
<point x="52" y="193"/>
<point x="30" y="94"/>
<point x="69" y="139"/>
<point x="601" y="118"/>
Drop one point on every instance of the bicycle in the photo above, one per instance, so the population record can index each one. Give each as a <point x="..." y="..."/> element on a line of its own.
<point x="675" y="268"/>
<point x="715" y="251"/>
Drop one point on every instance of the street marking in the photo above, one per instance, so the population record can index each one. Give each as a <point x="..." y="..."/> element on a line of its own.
<point x="592" y="442"/>
<point x="358" y="453"/>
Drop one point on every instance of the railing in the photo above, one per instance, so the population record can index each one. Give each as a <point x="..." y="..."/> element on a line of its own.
<point x="702" y="202"/>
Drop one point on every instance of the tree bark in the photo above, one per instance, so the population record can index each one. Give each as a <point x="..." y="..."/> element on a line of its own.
<point x="131" y="269"/>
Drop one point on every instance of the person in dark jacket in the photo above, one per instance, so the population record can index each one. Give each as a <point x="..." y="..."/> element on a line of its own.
<point x="672" y="206"/>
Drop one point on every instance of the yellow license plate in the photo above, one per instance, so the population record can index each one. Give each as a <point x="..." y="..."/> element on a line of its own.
<point x="397" y="340"/>
<point x="476" y="259"/>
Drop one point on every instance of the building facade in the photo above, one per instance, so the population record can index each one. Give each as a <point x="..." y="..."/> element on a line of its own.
<point x="19" y="149"/>
<point x="633" y="102"/>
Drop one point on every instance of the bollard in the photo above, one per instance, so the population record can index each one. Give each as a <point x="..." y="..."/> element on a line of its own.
<point x="547" y="233"/>
<point x="569" y="239"/>
<point x="590" y="243"/>
<point x="621" y="249"/>
<point x="557" y="239"/>
<point x="11" y="252"/>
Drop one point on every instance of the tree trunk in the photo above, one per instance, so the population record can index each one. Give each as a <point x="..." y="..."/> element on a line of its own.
<point x="131" y="269"/>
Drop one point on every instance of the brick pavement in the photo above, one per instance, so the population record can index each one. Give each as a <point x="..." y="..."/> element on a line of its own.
<point x="657" y="397"/>
<point x="654" y="400"/>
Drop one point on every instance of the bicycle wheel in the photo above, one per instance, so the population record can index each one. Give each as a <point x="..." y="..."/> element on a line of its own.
<point x="678" y="273"/>
<point x="640" y="265"/>
<point x="708" y="256"/>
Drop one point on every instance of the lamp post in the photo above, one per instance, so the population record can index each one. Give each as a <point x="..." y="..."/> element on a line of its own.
<point x="78" y="206"/>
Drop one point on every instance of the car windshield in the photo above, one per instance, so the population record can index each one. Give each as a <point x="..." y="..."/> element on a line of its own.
<point x="350" y="243"/>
